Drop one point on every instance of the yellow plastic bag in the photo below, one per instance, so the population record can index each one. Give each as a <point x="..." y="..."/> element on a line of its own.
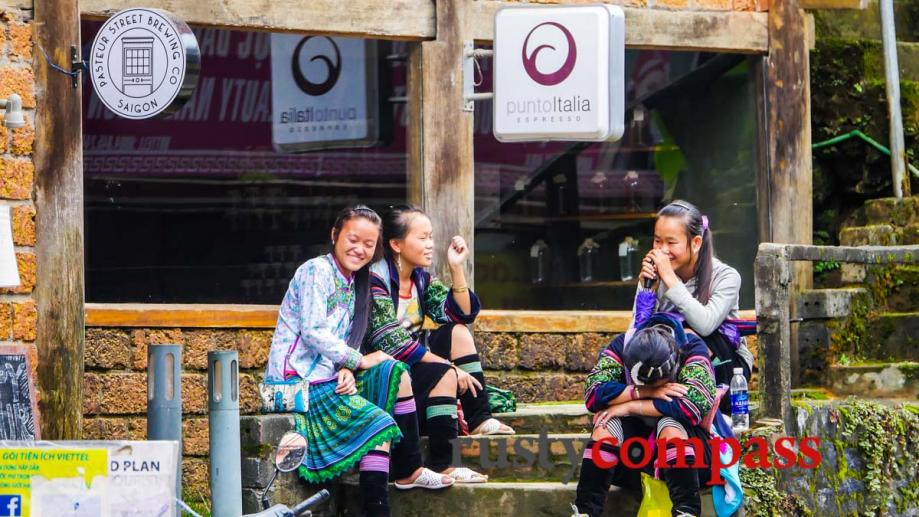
<point x="655" y="500"/>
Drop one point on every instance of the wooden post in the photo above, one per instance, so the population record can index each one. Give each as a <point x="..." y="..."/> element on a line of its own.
<point x="414" y="81"/>
<point x="772" y="275"/>
<point x="788" y="146"/>
<point x="446" y="135"/>
<point x="59" y="224"/>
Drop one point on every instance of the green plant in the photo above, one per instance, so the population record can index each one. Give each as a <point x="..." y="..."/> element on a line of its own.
<point x="825" y="266"/>
<point x="198" y="502"/>
<point x="864" y="423"/>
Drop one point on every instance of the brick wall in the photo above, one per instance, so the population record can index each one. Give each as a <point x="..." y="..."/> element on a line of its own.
<point x="18" y="315"/>
<point x="535" y="366"/>
<point x="115" y="385"/>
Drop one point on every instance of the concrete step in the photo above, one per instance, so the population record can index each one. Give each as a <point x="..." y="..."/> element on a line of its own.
<point x="875" y="380"/>
<point x="867" y="55"/>
<point x="561" y="417"/>
<point x="551" y="417"/>
<point x="890" y="211"/>
<point x="892" y="337"/>
<point x="496" y="499"/>
<point x="903" y="296"/>
<point x="866" y="23"/>
<point x="829" y="303"/>
<point x="490" y="499"/>
<point x="882" y="234"/>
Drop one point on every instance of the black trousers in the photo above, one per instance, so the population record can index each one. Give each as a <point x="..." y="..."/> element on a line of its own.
<point x="683" y="483"/>
<point x="475" y="408"/>
<point x="727" y="357"/>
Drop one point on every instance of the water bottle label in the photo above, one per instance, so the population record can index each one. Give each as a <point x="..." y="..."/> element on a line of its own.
<point x="739" y="403"/>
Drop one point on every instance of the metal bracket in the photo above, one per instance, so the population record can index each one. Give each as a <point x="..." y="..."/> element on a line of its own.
<point x="76" y="66"/>
<point x="470" y="53"/>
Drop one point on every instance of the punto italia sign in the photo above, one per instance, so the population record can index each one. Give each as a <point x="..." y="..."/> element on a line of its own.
<point x="144" y="63"/>
<point x="559" y="73"/>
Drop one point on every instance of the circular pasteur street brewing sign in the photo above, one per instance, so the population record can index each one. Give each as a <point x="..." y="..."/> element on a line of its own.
<point x="144" y="63"/>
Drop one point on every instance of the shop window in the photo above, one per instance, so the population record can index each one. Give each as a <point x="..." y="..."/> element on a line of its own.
<point x="552" y="218"/>
<point x="208" y="206"/>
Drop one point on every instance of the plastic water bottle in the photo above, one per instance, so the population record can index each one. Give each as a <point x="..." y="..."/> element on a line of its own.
<point x="740" y="410"/>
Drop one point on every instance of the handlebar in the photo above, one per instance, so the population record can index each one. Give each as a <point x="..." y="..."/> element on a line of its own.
<point x="317" y="498"/>
<point x="280" y="510"/>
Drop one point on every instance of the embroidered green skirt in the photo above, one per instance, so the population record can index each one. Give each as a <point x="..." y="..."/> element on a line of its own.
<point x="341" y="429"/>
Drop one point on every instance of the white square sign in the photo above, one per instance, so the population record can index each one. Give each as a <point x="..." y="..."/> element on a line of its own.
<point x="559" y="73"/>
<point x="323" y="92"/>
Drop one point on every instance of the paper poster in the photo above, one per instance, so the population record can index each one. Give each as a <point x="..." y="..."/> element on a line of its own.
<point x="18" y="405"/>
<point x="9" y="272"/>
<point x="142" y="477"/>
<point x="69" y="481"/>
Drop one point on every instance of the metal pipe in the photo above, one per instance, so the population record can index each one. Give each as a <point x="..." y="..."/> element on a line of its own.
<point x="223" y="423"/>
<point x="164" y="399"/>
<point x="892" y="76"/>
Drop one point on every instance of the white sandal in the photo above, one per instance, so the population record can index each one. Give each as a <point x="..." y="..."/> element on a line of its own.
<point x="492" y="427"/>
<point x="427" y="479"/>
<point x="465" y="475"/>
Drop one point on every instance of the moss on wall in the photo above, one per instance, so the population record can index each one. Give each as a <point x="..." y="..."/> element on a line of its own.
<point x="847" y="93"/>
<point x="869" y="455"/>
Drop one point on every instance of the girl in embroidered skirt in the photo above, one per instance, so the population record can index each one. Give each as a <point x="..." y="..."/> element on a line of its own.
<point x="352" y="397"/>
<point x="692" y="283"/>
<point x="444" y="362"/>
<point x="655" y="381"/>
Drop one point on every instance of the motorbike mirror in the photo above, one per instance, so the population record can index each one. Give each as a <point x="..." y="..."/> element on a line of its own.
<point x="291" y="450"/>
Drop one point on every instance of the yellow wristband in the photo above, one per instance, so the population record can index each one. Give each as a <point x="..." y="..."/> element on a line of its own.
<point x="460" y="289"/>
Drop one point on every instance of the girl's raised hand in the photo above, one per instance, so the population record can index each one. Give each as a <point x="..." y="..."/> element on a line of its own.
<point x="458" y="251"/>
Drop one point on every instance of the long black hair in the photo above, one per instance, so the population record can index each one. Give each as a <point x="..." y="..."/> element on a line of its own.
<point x="362" y="276"/>
<point x="397" y="223"/>
<point x="655" y="353"/>
<point x="693" y="222"/>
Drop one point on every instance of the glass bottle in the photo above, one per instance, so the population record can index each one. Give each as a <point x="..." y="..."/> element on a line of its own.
<point x="588" y="254"/>
<point x="539" y="262"/>
<point x="627" y="250"/>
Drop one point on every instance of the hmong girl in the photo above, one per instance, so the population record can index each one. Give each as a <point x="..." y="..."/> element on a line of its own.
<point x="656" y="382"/>
<point x="690" y="282"/>
<point x="321" y="323"/>
<point x="444" y="362"/>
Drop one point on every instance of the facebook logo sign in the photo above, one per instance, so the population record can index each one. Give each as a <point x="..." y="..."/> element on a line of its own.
<point x="10" y="505"/>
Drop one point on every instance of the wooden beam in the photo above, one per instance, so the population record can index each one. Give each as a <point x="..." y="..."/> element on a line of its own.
<point x="834" y="4"/>
<point x="6" y="5"/>
<point x="772" y="275"/>
<point x="788" y="144"/>
<point x="180" y="315"/>
<point x="414" y="135"/>
<point x="553" y="321"/>
<point x="727" y="31"/>
<point x="446" y="135"/>
<point x="58" y="160"/>
<point x="390" y="19"/>
<point x="138" y="315"/>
